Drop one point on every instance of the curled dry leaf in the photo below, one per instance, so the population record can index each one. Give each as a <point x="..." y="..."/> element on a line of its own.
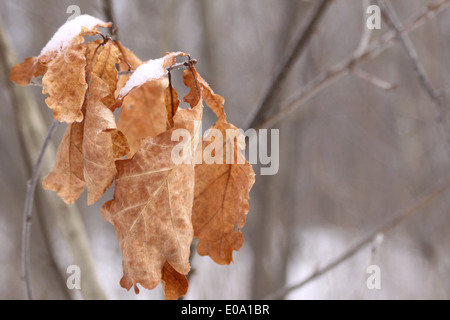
<point x="67" y="175"/>
<point x="23" y="73"/>
<point x="105" y="68"/>
<point x="221" y="199"/>
<point x="142" y="98"/>
<point x="103" y="144"/>
<point x="152" y="207"/>
<point x="143" y="114"/>
<point x="87" y="154"/>
<point x="174" y="283"/>
<point x="172" y="103"/>
<point x="65" y="83"/>
<point x="62" y="63"/>
<point x="221" y="187"/>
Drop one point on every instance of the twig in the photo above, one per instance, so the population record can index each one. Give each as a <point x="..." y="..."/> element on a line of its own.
<point x="392" y="19"/>
<point x="27" y="213"/>
<point x="292" y="54"/>
<point x="399" y="217"/>
<point x="436" y="96"/>
<point x="373" y="80"/>
<point x="344" y="67"/>
<point x="362" y="46"/>
<point x="366" y="34"/>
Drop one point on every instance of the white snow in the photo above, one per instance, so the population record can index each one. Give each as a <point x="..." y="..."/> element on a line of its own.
<point x="150" y="70"/>
<point x="62" y="38"/>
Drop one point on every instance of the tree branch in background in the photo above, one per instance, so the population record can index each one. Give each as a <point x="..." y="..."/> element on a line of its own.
<point x="374" y="80"/>
<point x="27" y="213"/>
<point x="391" y="18"/>
<point x="336" y="72"/>
<point x="399" y="217"/>
<point x="293" y="53"/>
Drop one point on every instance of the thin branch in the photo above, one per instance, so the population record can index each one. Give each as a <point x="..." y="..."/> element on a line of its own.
<point x="326" y="78"/>
<point x="366" y="34"/>
<point x="399" y="217"/>
<point x="292" y="54"/>
<point x="374" y="80"/>
<point x="392" y="19"/>
<point x="27" y="213"/>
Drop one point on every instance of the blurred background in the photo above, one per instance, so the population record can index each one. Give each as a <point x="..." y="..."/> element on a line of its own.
<point x="366" y="148"/>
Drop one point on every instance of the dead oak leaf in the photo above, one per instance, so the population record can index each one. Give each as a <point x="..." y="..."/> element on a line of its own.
<point x="105" y="69"/>
<point x="221" y="197"/>
<point x="143" y="114"/>
<point x="143" y="98"/>
<point x="22" y="73"/>
<point x="62" y="63"/>
<point x="65" y="83"/>
<point x="175" y="284"/>
<point x="89" y="149"/>
<point x="222" y="181"/>
<point x="103" y="144"/>
<point x="152" y="207"/>
<point x="67" y="176"/>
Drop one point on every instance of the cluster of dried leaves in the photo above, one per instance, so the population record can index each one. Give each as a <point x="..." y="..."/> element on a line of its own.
<point x="158" y="206"/>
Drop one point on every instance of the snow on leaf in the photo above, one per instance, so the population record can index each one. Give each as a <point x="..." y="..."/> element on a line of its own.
<point x="69" y="30"/>
<point x="154" y="69"/>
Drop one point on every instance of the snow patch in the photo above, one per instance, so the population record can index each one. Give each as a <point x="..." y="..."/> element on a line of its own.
<point x="150" y="70"/>
<point x="62" y="38"/>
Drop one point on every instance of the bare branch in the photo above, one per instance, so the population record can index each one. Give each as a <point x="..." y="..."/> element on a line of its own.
<point x="27" y="213"/>
<point x="344" y="67"/>
<point x="367" y="33"/>
<point x="373" y="80"/>
<point x="292" y="54"/>
<point x="392" y="19"/>
<point x="399" y="217"/>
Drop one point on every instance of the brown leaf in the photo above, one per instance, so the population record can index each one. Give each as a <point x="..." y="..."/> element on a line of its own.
<point x="92" y="50"/>
<point x="221" y="187"/>
<point x="65" y="83"/>
<point x="175" y="284"/>
<point x="152" y="207"/>
<point x="67" y="176"/>
<point x="62" y="62"/>
<point x="105" y="69"/>
<point x="143" y="114"/>
<point x="87" y="154"/>
<point x="23" y="72"/>
<point x="197" y="86"/>
<point x="221" y="199"/>
<point x="103" y="144"/>
<point x="172" y="103"/>
<point x="144" y="105"/>
<point x="128" y="58"/>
